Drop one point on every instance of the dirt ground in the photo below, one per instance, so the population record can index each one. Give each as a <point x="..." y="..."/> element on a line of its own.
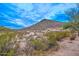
<point x="67" y="48"/>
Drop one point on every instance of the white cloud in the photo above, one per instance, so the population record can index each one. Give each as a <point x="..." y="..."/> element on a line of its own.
<point x="59" y="9"/>
<point x="19" y="22"/>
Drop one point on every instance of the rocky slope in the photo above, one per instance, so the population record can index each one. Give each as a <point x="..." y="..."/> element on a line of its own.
<point x="44" y="24"/>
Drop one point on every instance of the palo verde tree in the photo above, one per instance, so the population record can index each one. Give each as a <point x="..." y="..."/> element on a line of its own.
<point x="73" y="22"/>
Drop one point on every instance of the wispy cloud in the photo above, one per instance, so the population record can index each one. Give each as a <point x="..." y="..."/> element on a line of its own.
<point x="37" y="12"/>
<point x="26" y="14"/>
<point x="19" y="22"/>
<point x="58" y="9"/>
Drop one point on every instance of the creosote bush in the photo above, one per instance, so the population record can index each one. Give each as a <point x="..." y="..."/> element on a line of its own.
<point x="5" y="39"/>
<point x="39" y="44"/>
<point x="40" y="53"/>
<point x="57" y="36"/>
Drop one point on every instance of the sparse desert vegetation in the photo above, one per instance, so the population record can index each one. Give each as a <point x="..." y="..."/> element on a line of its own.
<point x="31" y="43"/>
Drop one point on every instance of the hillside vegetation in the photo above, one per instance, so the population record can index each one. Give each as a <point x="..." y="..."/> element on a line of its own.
<point x="6" y="36"/>
<point x="29" y="43"/>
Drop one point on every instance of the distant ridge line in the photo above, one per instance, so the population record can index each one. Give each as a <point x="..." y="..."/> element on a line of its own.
<point x="44" y="24"/>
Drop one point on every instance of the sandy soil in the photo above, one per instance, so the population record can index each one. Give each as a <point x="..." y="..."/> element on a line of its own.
<point x="67" y="48"/>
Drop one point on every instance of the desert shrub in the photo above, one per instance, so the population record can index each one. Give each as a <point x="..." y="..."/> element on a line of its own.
<point x="51" y="38"/>
<point x="5" y="39"/>
<point x="7" y="52"/>
<point x="40" y="53"/>
<point x="73" y="35"/>
<point x="54" y="36"/>
<point x="39" y="44"/>
<point x="61" y="35"/>
<point x="66" y="34"/>
<point x="11" y="52"/>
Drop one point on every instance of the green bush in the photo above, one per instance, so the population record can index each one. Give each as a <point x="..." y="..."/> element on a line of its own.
<point x="61" y="35"/>
<point x="39" y="44"/>
<point x="11" y="52"/>
<point x="54" y="36"/>
<point x="38" y="53"/>
<point x="4" y="42"/>
<point x="51" y="38"/>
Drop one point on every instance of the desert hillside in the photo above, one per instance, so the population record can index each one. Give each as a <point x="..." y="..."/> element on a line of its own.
<point x="26" y="42"/>
<point x="44" y="24"/>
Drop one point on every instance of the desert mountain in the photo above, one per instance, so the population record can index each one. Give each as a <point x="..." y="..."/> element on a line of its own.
<point x="44" y="24"/>
<point x="4" y="29"/>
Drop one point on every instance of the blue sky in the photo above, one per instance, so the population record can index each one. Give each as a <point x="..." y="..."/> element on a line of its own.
<point x="21" y="15"/>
